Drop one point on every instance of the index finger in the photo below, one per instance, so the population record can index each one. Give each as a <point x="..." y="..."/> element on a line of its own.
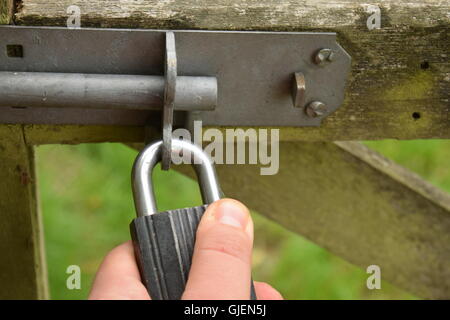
<point x="118" y="277"/>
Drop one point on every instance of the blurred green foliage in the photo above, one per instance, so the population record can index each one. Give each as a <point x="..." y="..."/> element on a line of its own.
<point x="87" y="206"/>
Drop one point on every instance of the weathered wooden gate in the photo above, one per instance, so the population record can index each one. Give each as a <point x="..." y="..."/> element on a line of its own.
<point x="340" y="195"/>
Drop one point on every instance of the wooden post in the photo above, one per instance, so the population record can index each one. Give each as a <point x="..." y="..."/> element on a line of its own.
<point x="22" y="264"/>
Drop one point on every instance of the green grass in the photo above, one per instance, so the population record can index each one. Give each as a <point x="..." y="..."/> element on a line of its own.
<point x="87" y="206"/>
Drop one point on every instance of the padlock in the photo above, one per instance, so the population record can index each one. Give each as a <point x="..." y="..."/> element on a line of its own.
<point x="164" y="241"/>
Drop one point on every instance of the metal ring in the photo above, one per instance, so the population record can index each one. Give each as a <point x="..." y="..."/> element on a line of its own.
<point x="169" y="98"/>
<point x="143" y="190"/>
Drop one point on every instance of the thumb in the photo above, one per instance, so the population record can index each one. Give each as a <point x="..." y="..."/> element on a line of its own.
<point x="221" y="263"/>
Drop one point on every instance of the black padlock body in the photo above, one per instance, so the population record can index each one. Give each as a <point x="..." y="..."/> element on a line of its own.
<point x="163" y="245"/>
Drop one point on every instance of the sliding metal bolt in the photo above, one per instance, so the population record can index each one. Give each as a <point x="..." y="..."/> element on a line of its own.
<point x="316" y="109"/>
<point x="324" y="56"/>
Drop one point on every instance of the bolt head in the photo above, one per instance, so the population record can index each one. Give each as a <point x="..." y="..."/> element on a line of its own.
<point x="316" y="109"/>
<point x="298" y="90"/>
<point x="324" y="56"/>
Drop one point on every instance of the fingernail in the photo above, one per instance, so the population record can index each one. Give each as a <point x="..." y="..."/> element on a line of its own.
<point x="232" y="213"/>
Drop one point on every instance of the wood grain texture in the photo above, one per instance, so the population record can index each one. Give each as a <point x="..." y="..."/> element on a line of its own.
<point x="357" y="204"/>
<point x="400" y="80"/>
<point x="6" y="11"/>
<point x="22" y="263"/>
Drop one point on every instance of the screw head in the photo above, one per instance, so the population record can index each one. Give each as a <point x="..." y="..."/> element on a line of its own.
<point x="316" y="109"/>
<point x="324" y="56"/>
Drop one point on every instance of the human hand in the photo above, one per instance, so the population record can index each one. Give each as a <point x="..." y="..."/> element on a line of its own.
<point x="221" y="263"/>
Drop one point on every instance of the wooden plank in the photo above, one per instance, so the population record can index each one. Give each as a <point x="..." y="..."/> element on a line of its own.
<point x="6" y="11"/>
<point x="74" y="134"/>
<point x="399" y="85"/>
<point x="357" y="204"/>
<point x="22" y="264"/>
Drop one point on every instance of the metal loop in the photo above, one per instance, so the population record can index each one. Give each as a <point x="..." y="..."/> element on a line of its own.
<point x="143" y="191"/>
<point x="169" y="98"/>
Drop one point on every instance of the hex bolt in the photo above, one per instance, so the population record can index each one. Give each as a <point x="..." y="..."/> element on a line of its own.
<point x="316" y="109"/>
<point x="324" y="56"/>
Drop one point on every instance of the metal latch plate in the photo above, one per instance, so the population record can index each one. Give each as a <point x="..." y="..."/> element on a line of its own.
<point x="254" y="70"/>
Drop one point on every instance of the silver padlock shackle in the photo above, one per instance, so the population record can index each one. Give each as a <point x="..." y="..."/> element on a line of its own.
<point x="143" y="191"/>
